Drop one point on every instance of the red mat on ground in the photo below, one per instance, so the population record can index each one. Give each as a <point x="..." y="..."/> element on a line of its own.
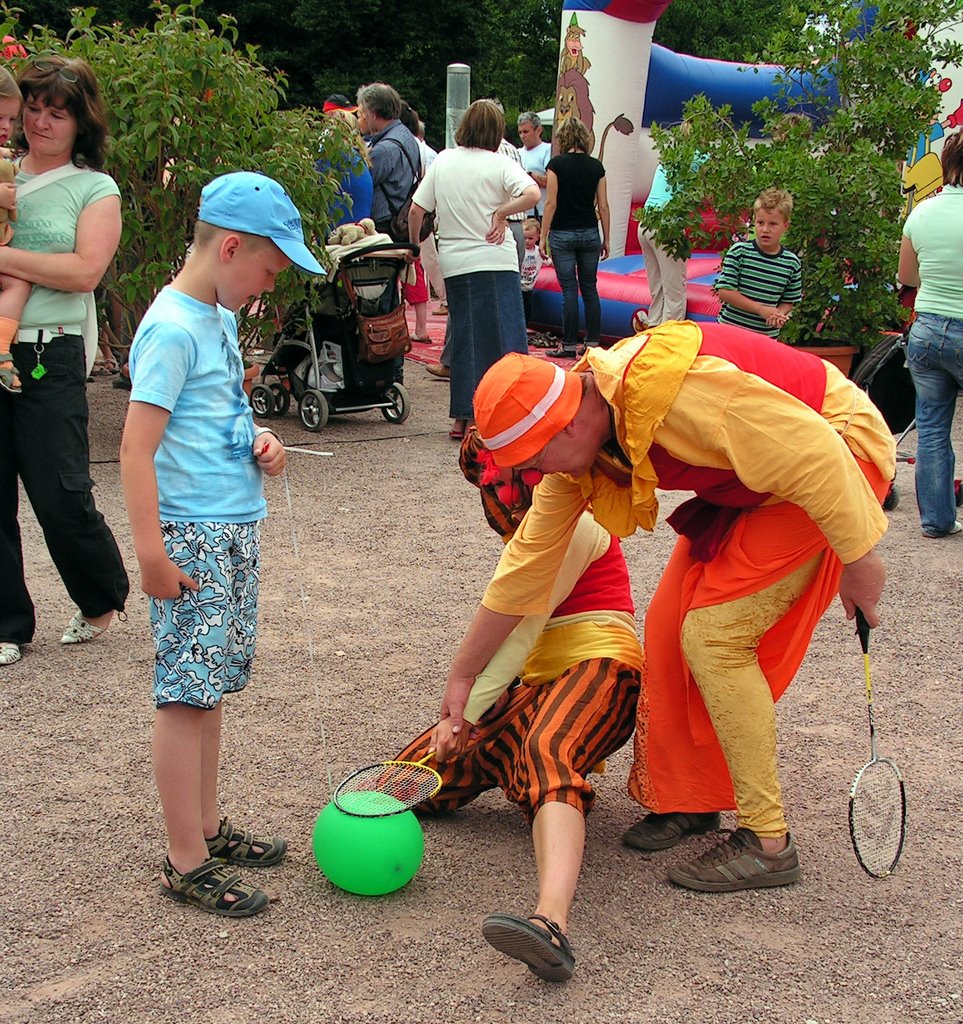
<point x="422" y="352"/>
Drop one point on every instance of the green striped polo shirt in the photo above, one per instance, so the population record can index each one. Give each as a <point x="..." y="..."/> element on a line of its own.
<point x="766" y="278"/>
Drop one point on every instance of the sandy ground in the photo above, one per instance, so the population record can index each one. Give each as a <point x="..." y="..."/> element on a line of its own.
<point x="367" y="584"/>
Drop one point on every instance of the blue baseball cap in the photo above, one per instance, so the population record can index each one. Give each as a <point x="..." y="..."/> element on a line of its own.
<point x="258" y="205"/>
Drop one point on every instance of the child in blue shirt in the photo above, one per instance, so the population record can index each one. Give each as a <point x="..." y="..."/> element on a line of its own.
<point x="191" y="465"/>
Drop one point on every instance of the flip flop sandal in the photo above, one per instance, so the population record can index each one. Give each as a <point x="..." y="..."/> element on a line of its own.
<point x="80" y="631"/>
<point x="663" y="831"/>
<point x="517" y="937"/>
<point x="8" y="375"/>
<point x="208" y="887"/>
<point x="245" y="848"/>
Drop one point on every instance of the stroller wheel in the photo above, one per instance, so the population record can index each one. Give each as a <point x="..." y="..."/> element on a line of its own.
<point x="400" y="409"/>
<point x="313" y="410"/>
<point x="282" y="399"/>
<point x="892" y="498"/>
<point x="262" y="400"/>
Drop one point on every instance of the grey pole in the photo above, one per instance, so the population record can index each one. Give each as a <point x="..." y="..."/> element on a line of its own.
<point x="456" y="100"/>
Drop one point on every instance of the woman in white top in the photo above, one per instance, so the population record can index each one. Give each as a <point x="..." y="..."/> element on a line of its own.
<point x="473" y="190"/>
<point x="931" y="258"/>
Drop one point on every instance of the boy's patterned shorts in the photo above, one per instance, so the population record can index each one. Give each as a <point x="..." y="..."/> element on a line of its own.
<point x="205" y="637"/>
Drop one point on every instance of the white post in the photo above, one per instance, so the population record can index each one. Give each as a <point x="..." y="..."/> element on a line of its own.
<point x="457" y="98"/>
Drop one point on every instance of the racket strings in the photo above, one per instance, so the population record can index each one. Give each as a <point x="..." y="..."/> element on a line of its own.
<point x="387" y="788"/>
<point x="877" y="817"/>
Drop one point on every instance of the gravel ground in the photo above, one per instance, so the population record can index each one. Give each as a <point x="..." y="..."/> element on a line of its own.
<point x="366" y="587"/>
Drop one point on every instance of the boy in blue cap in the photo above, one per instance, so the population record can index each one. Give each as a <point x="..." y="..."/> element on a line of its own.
<point x="191" y="465"/>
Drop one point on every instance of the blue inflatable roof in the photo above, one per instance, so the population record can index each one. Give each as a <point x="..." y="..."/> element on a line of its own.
<point x="675" y="78"/>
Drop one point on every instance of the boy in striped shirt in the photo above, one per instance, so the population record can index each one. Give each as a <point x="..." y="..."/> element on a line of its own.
<point x="760" y="281"/>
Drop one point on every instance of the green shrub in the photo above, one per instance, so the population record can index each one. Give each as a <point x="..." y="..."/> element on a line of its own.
<point x="186" y="105"/>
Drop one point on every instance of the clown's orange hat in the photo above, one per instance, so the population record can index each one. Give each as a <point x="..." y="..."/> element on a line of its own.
<point x="521" y="404"/>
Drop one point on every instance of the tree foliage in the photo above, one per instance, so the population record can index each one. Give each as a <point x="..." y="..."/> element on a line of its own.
<point x="733" y="30"/>
<point x="863" y="85"/>
<point x="185" y="104"/>
<point x="323" y="47"/>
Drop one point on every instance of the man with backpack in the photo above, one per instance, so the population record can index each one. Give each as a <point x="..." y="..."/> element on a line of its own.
<point x="395" y="156"/>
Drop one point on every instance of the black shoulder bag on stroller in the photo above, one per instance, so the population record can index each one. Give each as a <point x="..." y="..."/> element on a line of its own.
<point x="398" y="229"/>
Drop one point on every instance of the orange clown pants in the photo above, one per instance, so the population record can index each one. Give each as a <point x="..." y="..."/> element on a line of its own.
<point x="543" y="743"/>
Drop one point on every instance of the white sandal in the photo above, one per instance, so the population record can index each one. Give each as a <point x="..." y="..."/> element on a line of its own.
<point x="79" y="631"/>
<point x="9" y="653"/>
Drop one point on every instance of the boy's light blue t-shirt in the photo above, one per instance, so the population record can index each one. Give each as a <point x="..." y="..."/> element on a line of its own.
<point x="185" y="358"/>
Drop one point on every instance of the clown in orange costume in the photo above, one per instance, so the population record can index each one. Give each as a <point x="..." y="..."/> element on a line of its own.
<point x="788" y="461"/>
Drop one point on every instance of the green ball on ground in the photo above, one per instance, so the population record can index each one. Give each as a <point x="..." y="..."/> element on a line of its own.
<point x="367" y="856"/>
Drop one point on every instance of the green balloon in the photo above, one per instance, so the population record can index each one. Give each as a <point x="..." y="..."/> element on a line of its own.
<point x="368" y="856"/>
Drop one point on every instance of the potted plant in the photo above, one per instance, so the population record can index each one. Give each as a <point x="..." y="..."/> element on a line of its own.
<point x="853" y="101"/>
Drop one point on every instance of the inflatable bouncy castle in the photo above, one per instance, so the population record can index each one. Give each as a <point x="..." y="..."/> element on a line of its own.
<point x="613" y="78"/>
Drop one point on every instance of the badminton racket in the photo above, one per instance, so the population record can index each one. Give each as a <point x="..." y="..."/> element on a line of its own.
<point x="386" y="788"/>
<point x="877" y="799"/>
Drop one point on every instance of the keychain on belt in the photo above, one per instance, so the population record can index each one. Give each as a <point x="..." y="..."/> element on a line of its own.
<point x="39" y="370"/>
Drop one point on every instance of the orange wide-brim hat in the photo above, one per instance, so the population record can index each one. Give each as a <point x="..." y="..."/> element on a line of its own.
<point x="521" y="404"/>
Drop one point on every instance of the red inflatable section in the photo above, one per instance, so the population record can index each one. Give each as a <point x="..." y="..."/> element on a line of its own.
<point x="709" y="222"/>
<point x="642" y="11"/>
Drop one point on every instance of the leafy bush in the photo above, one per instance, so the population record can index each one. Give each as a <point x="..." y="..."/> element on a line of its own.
<point x="862" y="85"/>
<point x="185" y="105"/>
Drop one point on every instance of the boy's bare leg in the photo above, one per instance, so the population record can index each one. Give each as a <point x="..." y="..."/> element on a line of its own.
<point x="558" y="835"/>
<point x="421" y="319"/>
<point x="210" y="753"/>
<point x="178" y="771"/>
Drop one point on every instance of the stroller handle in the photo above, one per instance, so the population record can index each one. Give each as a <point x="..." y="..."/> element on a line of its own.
<point x="385" y="247"/>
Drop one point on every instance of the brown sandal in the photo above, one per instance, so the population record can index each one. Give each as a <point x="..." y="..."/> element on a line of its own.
<point x="234" y="846"/>
<point x="546" y="949"/>
<point x="208" y="887"/>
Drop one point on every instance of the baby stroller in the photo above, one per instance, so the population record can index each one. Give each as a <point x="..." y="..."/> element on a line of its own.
<point x="885" y="377"/>
<point x="341" y="357"/>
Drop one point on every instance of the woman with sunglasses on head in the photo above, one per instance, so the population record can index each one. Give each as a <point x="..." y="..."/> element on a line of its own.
<point x="67" y="233"/>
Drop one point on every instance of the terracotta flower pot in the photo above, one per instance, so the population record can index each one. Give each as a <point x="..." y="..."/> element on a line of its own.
<point x="840" y="356"/>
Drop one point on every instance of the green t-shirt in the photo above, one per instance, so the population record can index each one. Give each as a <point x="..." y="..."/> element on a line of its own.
<point x="935" y="229"/>
<point x="47" y="222"/>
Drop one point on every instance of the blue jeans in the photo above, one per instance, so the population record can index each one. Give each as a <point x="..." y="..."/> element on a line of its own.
<point x="935" y="359"/>
<point x="578" y="251"/>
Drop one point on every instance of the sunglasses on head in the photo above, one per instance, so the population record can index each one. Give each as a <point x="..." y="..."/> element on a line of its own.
<point x="65" y="73"/>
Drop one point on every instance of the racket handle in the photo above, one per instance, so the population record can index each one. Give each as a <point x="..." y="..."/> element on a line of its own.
<point x="862" y="630"/>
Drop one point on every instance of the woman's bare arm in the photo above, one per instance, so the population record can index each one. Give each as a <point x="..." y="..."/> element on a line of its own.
<point x="98" y="235"/>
